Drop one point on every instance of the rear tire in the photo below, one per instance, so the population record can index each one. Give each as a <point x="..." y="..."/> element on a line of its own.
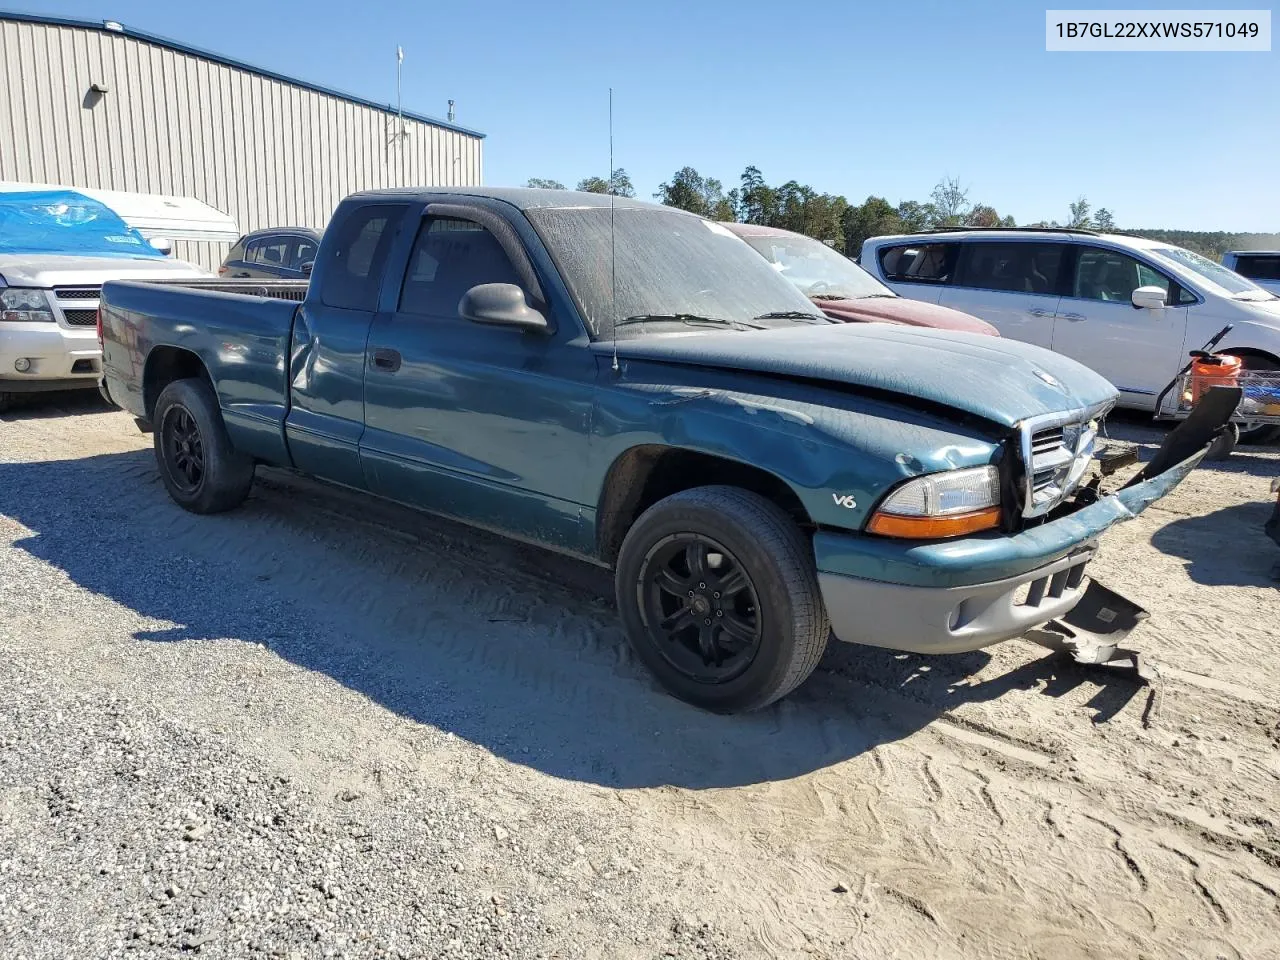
<point x="200" y="468"/>
<point x="755" y="626"/>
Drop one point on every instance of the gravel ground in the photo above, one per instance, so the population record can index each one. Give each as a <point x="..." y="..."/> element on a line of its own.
<point x="324" y="726"/>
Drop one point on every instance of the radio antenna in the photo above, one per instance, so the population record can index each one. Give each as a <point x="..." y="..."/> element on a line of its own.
<point x="613" y="250"/>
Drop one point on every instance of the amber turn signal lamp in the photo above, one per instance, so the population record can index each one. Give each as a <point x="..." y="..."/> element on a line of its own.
<point x="934" y="528"/>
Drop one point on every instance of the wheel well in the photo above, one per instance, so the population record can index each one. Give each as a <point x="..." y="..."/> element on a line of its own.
<point x="646" y="474"/>
<point x="164" y="366"/>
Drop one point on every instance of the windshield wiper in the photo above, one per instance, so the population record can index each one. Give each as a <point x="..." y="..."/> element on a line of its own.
<point x="692" y="319"/>
<point x="793" y="315"/>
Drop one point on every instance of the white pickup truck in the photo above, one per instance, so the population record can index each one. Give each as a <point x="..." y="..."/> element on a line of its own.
<point x="1260" y="266"/>
<point x="57" y="248"/>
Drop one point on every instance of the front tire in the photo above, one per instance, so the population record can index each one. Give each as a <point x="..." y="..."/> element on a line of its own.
<point x="717" y="589"/>
<point x="200" y="468"/>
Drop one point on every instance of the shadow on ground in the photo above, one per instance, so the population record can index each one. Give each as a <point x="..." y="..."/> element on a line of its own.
<point x="1225" y="548"/>
<point x="57" y="403"/>
<point x="506" y="646"/>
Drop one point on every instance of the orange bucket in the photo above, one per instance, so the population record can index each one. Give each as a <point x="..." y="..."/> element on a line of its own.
<point x="1221" y="370"/>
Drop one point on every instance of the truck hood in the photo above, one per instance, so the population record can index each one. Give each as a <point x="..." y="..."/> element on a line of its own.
<point x="50" y="270"/>
<point x="999" y="380"/>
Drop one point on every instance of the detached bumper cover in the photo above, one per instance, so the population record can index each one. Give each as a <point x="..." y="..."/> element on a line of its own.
<point x="952" y="596"/>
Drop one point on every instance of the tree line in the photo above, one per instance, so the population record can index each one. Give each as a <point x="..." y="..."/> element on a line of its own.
<point x="843" y="225"/>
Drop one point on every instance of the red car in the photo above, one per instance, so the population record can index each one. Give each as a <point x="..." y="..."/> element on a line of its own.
<point x="842" y="289"/>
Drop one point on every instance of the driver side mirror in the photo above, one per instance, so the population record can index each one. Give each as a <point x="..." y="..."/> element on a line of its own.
<point x="502" y="305"/>
<point x="306" y="268"/>
<point x="1149" y="298"/>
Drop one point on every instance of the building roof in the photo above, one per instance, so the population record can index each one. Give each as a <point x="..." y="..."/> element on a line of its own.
<point x="116" y="28"/>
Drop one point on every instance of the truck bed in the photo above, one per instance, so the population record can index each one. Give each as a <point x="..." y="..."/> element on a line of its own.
<point x="239" y="329"/>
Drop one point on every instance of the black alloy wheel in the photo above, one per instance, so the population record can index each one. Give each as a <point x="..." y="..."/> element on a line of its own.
<point x="184" y="448"/>
<point x="700" y="607"/>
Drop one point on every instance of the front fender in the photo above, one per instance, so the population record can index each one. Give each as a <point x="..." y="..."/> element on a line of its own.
<point x="838" y="453"/>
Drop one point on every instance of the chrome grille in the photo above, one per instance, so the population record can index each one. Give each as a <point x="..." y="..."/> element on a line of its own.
<point x="1056" y="452"/>
<point x="77" y="293"/>
<point x="81" y="318"/>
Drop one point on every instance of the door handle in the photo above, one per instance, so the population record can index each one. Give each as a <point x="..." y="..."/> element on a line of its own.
<point x="388" y="360"/>
<point x="1073" y="317"/>
<point x="1040" y="312"/>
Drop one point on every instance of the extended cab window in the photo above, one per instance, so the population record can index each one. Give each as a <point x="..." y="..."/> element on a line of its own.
<point x="920" y="262"/>
<point x="1019" y="267"/>
<point x="448" y="259"/>
<point x="1259" y="267"/>
<point x="1112" y="276"/>
<point x="353" y="267"/>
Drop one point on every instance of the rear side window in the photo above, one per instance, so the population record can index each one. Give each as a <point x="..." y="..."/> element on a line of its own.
<point x="356" y="256"/>
<point x="448" y="259"/>
<point x="1016" y="267"/>
<point x="1257" y="267"/>
<point x="920" y="262"/>
<point x="269" y="251"/>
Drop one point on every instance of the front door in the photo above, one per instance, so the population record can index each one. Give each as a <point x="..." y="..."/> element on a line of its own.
<point x="1139" y="350"/>
<point x="484" y="423"/>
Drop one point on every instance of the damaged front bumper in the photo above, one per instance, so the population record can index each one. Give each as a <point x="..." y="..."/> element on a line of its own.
<point x="957" y="595"/>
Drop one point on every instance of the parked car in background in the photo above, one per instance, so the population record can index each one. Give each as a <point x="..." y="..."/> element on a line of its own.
<point x="843" y="290"/>
<point x="1130" y="308"/>
<point x="1260" y="266"/>
<point x="57" y="248"/>
<point x="633" y="385"/>
<point x="281" y="253"/>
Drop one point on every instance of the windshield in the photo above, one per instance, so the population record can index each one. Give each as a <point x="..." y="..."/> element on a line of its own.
<point x="667" y="265"/>
<point x="1215" y="273"/>
<point x="63" y="221"/>
<point x="816" y="270"/>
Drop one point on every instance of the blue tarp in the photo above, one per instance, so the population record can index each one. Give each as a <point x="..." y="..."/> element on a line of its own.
<point x="63" y="221"/>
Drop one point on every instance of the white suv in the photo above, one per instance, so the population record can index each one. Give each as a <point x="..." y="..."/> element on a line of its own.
<point x="1132" y="309"/>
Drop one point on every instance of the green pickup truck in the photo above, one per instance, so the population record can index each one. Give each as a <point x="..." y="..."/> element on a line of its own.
<point x="634" y="385"/>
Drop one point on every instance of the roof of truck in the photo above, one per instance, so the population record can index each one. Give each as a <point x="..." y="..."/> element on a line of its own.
<point x="525" y="198"/>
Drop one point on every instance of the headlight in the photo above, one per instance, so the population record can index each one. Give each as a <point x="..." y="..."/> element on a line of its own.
<point x="941" y="505"/>
<point x="19" y="305"/>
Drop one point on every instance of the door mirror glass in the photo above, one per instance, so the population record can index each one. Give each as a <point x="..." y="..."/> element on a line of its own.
<point x="306" y="268"/>
<point x="500" y="304"/>
<point x="1149" y="297"/>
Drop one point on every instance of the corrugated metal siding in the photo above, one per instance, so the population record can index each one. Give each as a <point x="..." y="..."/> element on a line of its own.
<point x="267" y="152"/>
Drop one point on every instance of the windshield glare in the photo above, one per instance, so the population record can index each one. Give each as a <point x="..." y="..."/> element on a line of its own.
<point x="664" y="263"/>
<point x="816" y="270"/>
<point x="1206" y="269"/>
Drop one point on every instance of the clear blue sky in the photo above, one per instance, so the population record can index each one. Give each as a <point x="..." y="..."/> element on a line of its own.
<point x="849" y="97"/>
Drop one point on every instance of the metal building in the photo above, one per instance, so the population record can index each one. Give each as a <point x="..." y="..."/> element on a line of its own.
<point x="101" y="105"/>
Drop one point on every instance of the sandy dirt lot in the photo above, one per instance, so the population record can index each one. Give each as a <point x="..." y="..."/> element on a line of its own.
<point x="212" y="723"/>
